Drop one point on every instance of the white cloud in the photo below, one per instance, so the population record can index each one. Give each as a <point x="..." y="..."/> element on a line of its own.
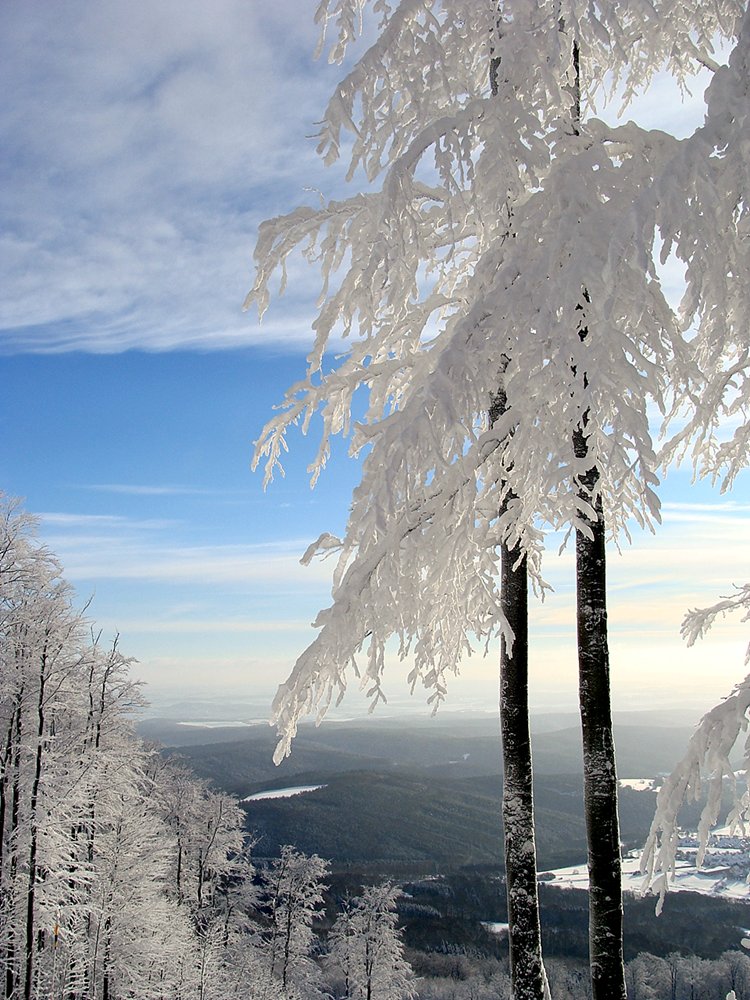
<point x="207" y="626"/>
<point x="726" y="506"/>
<point x="157" y="491"/>
<point x="97" y="547"/>
<point x="141" y="149"/>
<point x="110" y="558"/>
<point x="86" y="522"/>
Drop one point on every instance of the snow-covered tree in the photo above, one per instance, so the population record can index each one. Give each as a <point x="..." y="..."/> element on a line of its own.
<point x="40" y="642"/>
<point x="292" y="890"/>
<point x="647" y="977"/>
<point x="509" y="246"/>
<point x="703" y="770"/>
<point x="365" y="948"/>
<point x="706" y="224"/>
<point x="103" y="894"/>
<point x="706" y="191"/>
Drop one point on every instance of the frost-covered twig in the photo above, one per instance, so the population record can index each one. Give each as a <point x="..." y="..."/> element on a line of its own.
<point x="697" y="622"/>
<point x="422" y="282"/>
<point x="704" y="767"/>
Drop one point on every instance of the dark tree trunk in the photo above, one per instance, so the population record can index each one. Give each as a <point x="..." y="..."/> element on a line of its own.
<point x="34" y="833"/>
<point x="528" y="977"/>
<point x="606" y="958"/>
<point x="7" y="766"/>
<point x="527" y="970"/>
<point x="599" y="770"/>
<point x="4" y="764"/>
<point x="106" y="962"/>
<point x="11" y="958"/>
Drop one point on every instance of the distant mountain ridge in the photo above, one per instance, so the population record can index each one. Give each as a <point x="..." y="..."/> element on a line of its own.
<point x="239" y="758"/>
<point x="195" y="727"/>
<point x="421" y="794"/>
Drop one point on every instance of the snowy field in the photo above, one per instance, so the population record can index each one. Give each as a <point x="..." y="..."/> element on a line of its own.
<point x="637" y="784"/>
<point x="495" y="927"/>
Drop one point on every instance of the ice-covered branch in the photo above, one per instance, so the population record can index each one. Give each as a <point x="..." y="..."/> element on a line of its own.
<point x="704" y="767"/>
<point x="711" y="168"/>
<point x="697" y="622"/>
<point x="498" y="232"/>
<point x="422" y="570"/>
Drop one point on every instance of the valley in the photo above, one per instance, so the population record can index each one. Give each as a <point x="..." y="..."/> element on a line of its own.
<point x="419" y="801"/>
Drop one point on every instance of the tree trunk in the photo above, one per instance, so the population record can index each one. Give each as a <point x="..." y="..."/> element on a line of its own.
<point x="9" y="892"/>
<point x="34" y="832"/>
<point x="606" y="959"/>
<point x="5" y="767"/>
<point x="599" y="770"/>
<point x="528" y="977"/>
<point x="107" y="959"/>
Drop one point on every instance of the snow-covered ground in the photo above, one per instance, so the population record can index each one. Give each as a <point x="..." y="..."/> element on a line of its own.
<point x="282" y="793"/>
<point x="637" y="784"/>
<point x="495" y="927"/>
<point x="725" y="871"/>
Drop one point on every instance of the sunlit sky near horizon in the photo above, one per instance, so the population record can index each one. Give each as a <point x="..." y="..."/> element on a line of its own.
<point x="142" y="148"/>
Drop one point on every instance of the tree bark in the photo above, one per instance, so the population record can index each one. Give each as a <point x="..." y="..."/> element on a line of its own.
<point x="34" y="831"/>
<point x="528" y="977"/>
<point x="606" y="958"/>
<point x="11" y="957"/>
<point x="599" y="769"/>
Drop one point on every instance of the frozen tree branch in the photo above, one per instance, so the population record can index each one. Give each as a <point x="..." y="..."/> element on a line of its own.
<point x="703" y="768"/>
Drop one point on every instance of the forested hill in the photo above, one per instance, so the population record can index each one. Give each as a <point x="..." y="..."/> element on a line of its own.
<point x="453" y="746"/>
<point x="429" y="794"/>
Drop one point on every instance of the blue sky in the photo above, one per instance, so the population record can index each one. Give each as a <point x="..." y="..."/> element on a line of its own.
<point x="141" y="150"/>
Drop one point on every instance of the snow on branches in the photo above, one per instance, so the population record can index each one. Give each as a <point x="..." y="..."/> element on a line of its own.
<point x="509" y="245"/>
<point x="698" y="621"/>
<point x="704" y="767"/>
<point x="706" y="223"/>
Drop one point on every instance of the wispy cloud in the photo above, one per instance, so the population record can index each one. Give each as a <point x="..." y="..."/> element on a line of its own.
<point x="221" y="564"/>
<point x="104" y="547"/>
<point x="140" y="154"/>
<point x="209" y="626"/>
<point x="97" y="522"/>
<point x="152" y="491"/>
<point x="700" y="512"/>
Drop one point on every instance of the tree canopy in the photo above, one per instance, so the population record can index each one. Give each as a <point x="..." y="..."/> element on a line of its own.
<point x="504" y="236"/>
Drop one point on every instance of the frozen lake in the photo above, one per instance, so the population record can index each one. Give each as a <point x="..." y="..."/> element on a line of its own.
<point x="282" y="793"/>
